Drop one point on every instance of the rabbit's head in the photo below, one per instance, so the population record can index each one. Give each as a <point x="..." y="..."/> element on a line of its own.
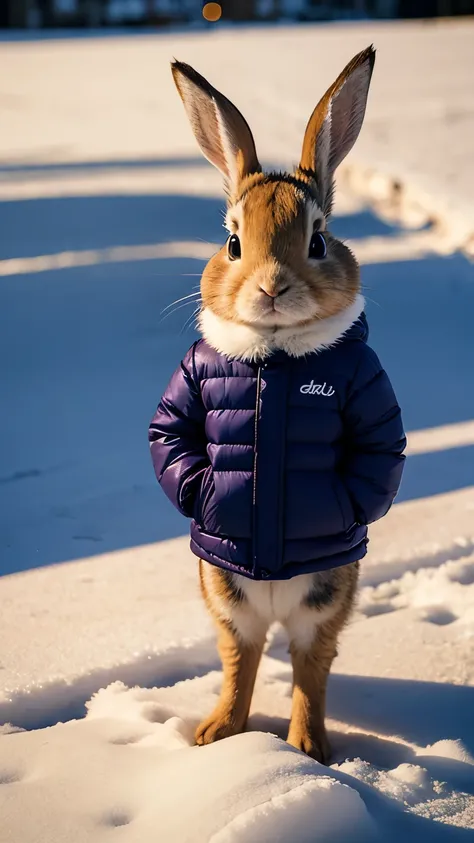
<point x="280" y="267"/>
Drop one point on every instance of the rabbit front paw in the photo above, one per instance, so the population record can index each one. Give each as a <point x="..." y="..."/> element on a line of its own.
<point x="314" y="743"/>
<point x="220" y="724"/>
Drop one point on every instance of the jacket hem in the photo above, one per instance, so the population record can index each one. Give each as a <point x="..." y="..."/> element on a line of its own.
<point x="288" y="571"/>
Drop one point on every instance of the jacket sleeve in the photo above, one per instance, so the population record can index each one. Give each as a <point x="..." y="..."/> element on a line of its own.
<point x="375" y="441"/>
<point x="177" y="438"/>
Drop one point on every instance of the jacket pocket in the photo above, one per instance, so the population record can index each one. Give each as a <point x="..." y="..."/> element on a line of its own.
<point x="345" y="503"/>
<point x="316" y="505"/>
<point x="203" y="497"/>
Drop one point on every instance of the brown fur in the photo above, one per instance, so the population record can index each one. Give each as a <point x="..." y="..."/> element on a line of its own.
<point x="315" y="122"/>
<point x="200" y="100"/>
<point x="274" y="252"/>
<point x="310" y="164"/>
<point x="310" y="674"/>
<point x="240" y="660"/>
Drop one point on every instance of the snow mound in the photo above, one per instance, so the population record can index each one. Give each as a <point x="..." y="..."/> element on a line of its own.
<point x="131" y="764"/>
<point x="314" y="810"/>
<point x="120" y="768"/>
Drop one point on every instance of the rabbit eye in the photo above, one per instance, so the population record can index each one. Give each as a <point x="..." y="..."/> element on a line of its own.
<point x="233" y="247"/>
<point x="317" y="246"/>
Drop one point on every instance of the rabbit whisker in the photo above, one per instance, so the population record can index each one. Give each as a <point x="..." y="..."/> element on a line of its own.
<point x="177" y="301"/>
<point x="170" y="312"/>
<point x="190" y="319"/>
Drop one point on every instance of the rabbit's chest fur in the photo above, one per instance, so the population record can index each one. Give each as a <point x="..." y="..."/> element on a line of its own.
<point x="275" y="601"/>
<point x="300" y="604"/>
<point x="287" y="602"/>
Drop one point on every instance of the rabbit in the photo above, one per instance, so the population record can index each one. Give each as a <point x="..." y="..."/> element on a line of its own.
<point x="279" y="434"/>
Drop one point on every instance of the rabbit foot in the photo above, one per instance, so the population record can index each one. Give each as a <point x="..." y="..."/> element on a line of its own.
<point x="220" y="724"/>
<point x="313" y="743"/>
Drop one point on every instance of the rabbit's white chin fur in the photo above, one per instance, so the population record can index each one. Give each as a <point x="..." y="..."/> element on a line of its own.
<point x="254" y="343"/>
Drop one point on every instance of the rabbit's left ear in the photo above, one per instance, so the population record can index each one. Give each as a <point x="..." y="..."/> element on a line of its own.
<point x="335" y="124"/>
<point x="219" y="128"/>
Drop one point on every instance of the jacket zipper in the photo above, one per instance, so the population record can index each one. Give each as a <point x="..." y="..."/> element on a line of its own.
<point x="255" y="450"/>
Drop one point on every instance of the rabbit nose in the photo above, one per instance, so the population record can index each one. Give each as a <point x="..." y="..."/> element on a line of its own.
<point x="274" y="293"/>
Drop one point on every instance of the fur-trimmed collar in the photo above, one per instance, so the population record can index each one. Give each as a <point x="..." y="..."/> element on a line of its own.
<point x="245" y="343"/>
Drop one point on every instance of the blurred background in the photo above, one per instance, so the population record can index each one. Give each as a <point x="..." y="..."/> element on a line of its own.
<point x="94" y="13"/>
<point x="108" y="213"/>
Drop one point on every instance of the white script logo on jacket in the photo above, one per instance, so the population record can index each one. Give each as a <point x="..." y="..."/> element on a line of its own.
<point x="317" y="389"/>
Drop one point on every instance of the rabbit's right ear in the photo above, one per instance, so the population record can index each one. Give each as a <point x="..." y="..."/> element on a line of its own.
<point x="220" y="130"/>
<point x="335" y="124"/>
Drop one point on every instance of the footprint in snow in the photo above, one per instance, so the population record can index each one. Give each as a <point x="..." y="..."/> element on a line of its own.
<point x="9" y="777"/>
<point x="125" y="740"/>
<point x="374" y="609"/>
<point x="464" y="575"/>
<point x="116" y="819"/>
<point x="440" y="616"/>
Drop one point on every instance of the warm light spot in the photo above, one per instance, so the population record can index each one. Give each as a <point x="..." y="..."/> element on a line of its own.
<point x="212" y="12"/>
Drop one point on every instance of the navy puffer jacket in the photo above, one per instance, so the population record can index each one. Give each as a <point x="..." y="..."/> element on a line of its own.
<point x="281" y="464"/>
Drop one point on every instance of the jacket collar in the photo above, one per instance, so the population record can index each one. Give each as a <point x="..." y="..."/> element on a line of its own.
<point x="246" y="343"/>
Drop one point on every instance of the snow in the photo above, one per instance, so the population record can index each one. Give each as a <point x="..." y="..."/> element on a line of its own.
<point x="253" y="784"/>
<point x="439" y="595"/>
<point x="250" y="787"/>
<point x="108" y="657"/>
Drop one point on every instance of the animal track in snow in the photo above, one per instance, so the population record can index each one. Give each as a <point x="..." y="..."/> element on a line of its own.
<point x="116" y="819"/>
<point x="9" y="777"/>
<point x="378" y="609"/>
<point x="440" y="616"/>
<point x="463" y="574"/>
<point x="439" y="595"/>
<point x="386" y="571"/>
<point x="125" y="740"/>
<point x="156" y="713"/>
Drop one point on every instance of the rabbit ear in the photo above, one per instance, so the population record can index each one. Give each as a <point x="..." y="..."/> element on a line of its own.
<point x="220" y="130"/>
<point x="335" y="124"/>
